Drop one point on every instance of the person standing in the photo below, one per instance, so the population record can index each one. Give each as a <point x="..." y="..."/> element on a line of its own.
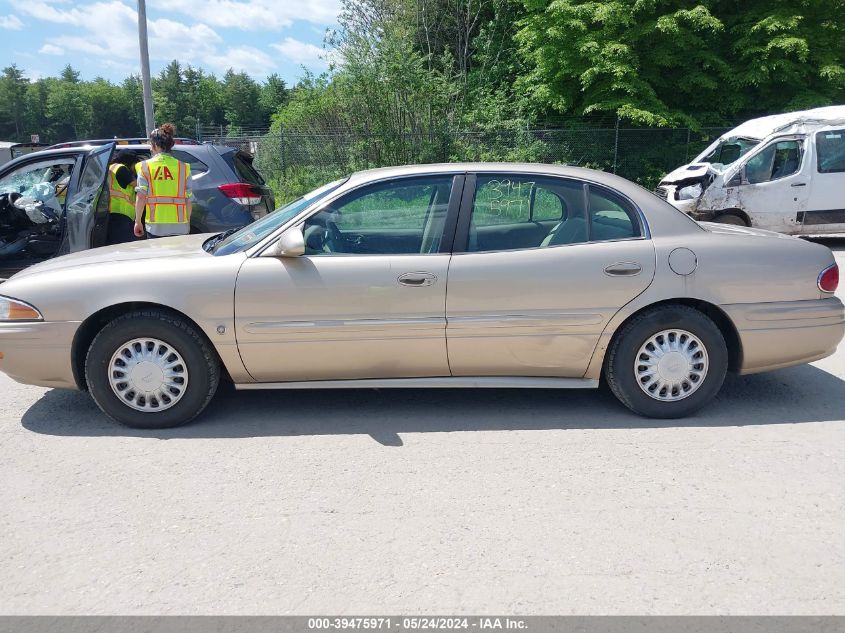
<point x="121" y="198"/>
<point x="163" y="190"/>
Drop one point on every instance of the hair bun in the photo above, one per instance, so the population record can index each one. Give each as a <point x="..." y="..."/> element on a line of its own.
<point x="168" y="128"/>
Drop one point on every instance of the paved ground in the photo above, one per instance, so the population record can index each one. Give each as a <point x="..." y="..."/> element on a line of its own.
<point x="430" y="501"/>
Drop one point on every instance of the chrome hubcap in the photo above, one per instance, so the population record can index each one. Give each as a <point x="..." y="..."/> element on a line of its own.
<point x="671" y="365"/>
<point x="148" y="375"/>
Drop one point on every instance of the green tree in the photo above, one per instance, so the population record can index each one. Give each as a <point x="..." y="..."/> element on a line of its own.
<point x="67" y="108"/>
<point x="274" y="94"/>
<point x="110" y="109"/>
<point x="690" y="62"/>
<point x="13" y="89"/>
<point x="241" y="100"/>
<point x="169" y="95"/>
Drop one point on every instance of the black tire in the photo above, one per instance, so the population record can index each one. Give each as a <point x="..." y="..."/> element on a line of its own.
<point x="202" y="363"/>
<point x="730" y="218"/>
<point x="619" y="365"/>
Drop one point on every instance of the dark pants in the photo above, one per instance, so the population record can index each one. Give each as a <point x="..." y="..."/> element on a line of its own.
<point x="121" y="229"/>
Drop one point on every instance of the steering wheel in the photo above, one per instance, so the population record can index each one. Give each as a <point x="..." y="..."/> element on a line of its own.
<point x="334" y="238"/>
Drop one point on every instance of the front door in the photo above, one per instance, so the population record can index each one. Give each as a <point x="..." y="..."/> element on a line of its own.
<point x="87" y="206"/>
<point x="538" y="309"/>
<point x="367" y="300"/>
<point x="776" y="186"/>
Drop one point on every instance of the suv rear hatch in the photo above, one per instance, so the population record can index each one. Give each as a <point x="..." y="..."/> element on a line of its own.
<point x="248" y="187"/>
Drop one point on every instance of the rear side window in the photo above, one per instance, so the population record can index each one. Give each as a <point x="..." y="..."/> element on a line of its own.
<point x="197" y="166"/>
<point x="242" y="164"/>
<point x="515" y="199"/>
<point x="513" y="212"/>
<point x="831" y="150"/>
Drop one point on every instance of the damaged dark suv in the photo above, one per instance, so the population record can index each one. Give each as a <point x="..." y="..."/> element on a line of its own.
<point x="55" y="201"/>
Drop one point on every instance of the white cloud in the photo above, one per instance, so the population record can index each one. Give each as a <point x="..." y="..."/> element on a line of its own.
<point x="106" y="30"/>
<point x="301" y="52"/>
<point x="10" y="22"/>
<point x="168" y="39"/>
<point x="254" y="15"/>
<point x="50" y="49"/>
<point x="243" y="58"/>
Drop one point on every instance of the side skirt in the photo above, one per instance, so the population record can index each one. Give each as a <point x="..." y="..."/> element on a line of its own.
<point x="465" y="382"/>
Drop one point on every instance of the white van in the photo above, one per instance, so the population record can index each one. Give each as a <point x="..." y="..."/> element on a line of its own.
<point x="783" y="173"/>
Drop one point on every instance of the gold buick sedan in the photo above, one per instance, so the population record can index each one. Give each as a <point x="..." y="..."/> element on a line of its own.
<point x="456" y="275"/>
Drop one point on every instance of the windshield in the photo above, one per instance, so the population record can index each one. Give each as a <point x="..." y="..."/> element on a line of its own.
<point x="256" y="231"/>
<point x="727" y="151"/>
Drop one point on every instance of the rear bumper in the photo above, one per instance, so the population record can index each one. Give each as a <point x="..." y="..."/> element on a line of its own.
<point x="39" y="353"/>
<point x="775" y="335"/>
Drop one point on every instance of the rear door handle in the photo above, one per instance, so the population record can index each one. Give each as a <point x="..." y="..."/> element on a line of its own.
<point x="798" y="184"/>
<point x="417" y="280"/>
<point x="623" y="269"/>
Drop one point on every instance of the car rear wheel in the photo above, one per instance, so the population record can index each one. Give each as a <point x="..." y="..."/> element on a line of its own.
<point x="149" y="369"/>
<point x="667" y="362"/>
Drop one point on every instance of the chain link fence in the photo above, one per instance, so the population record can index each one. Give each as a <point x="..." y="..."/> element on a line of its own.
<point x="294" y="161"/>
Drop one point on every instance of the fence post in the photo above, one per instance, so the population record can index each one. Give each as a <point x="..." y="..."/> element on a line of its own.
<point x="616" y="144"/>
<point x="282" y="147"/>
<point x="686" y="154"/>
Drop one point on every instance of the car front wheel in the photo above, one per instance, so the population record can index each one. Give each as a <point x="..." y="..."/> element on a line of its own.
<point x="150" y="369"/>
<point x="667" y="362"/>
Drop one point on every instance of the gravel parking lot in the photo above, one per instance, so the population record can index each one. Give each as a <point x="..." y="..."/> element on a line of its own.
<point x="437" y="501"/>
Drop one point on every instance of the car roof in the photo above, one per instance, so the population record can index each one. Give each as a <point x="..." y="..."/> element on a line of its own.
<point x="580" y="173"/>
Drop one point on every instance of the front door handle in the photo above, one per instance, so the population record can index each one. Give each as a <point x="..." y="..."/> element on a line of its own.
<point x="417" y="280"/>
<point x="798" y="184"/>
<point x="623" y="269"/>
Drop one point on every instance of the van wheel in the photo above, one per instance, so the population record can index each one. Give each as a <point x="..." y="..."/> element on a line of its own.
<point x="149" y="369"/>
<point x="667" y="362"/>
<point x="730" y="218"/>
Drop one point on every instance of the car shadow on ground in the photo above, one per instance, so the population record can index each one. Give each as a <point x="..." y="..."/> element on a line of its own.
<point x="795" y="395"/>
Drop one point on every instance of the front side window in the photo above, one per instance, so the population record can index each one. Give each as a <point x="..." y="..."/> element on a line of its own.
<point x="45" y="180"/>
<point x="239" y="240"/>
<point x="831" y="150"/>
<point x="513" y="212"/>
<point x="775" y="161"/>
<point x="398" y="217"/>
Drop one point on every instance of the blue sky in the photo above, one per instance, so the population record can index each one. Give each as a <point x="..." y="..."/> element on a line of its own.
<point x="99" y="37"/>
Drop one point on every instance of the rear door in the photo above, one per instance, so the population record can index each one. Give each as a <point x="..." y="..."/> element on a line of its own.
<point x="826" y="205"/>
<point x="538" y="309"/>
<point x="87" y="202"/>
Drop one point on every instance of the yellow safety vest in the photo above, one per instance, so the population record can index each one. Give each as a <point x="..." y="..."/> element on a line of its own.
<point x="121" y="200"/>
<point x="167" y="179"/>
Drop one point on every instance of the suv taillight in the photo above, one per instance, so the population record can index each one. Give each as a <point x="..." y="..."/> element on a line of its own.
<point x="829" y="279"/>
<point x="242" y="193"/>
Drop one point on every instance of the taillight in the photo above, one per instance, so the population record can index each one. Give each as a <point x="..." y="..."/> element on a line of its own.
<point x="829" y="279"/>
<point x="242" y="193"/>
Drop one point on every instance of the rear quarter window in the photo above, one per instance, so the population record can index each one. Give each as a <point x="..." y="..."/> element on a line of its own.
<point x="242" y="164"/>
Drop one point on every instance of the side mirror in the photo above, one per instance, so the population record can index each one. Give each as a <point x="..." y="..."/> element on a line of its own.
<point x="291" y="243"/>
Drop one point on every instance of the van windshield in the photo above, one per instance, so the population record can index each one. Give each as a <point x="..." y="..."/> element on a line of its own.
<point x="728" y="151"/>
